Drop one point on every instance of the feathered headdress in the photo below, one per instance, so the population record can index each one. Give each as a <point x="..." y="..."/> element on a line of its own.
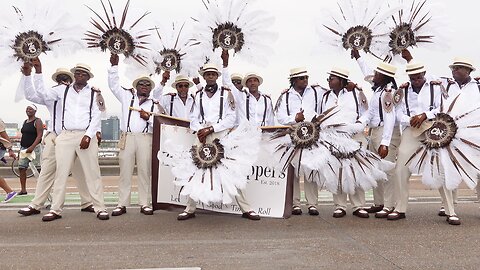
<point x="449" y="153"/>
<point x="235" y="25"/>
<point x="122" y="38"/>
<point x="358" y="24"/>
<point x="175" y="50"/>
<point x="414" y="25"/>
<point x="31" y="28"/>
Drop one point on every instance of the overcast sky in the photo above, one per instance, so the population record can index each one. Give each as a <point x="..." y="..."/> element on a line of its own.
<point x="297" y="45"/>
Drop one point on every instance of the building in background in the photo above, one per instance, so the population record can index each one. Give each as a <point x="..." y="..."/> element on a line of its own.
<point x="111" y="128"/>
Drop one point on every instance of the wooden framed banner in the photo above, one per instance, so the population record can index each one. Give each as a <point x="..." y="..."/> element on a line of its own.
<point x="269" y="191"/>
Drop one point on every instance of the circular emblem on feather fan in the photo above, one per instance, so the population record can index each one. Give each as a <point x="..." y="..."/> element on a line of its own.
<point x="358" y="37"/>
<point x="207" y="155"/>
<point x="441" y="133"/>
<point x="171" y="61"/>
<point x="29" y="45"/>
<point x="305" y="134"/>
<point x="117" y="41"/>
<point x="401" y="38"/>
<point x="228" y="36"/>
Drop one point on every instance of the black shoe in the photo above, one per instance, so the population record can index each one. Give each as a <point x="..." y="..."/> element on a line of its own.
<point x="103" y="215"/>
<point x="361" y="213"/>
<point x="89" y="209"/>
<point x="50" y="217"/>
<point x="384" y="213"/>
<point x="28" y="211"/>
<point x="312" y="211"/>
<point x="441" y="212"/>
<point x="339" y="213"/>
<point x="296" y="210"/>
<point x="146" y="210"/>
<point x="185" y="216"/>
<point x="395" y="215"/>
<point x="251" y="215"/>
<point x="374" y="208"/>
<point x="119" y="210"/>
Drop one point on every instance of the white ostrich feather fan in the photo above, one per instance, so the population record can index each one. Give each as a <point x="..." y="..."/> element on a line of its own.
<point x="31" y="28"/>
<point x="238" y="25"/>
<point x="220" y="182"/>
<point x="357" y="24"/>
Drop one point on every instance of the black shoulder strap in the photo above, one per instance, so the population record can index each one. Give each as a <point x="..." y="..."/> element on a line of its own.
<point x="264" y="110"/>
<point x="432" y="97"/>
<point x="55" y="115"/>
<point x="147" y="125"/>
<point x="324" y="100"/>
<point x="406" y="101"/>
<point x="63" y="109"/>
<point x="354" y="92"/>
<point x="221" y="104"/>
<point x="171" y="104"/>
<point x="247" y="105"/>
<point x="286" y="100"/>
<point x="380" y="108"/>
<point x="130" y="113"/>
<point x="316" y="98"/>
<point x="92" y="95"/>
<point x="202" y="112"/>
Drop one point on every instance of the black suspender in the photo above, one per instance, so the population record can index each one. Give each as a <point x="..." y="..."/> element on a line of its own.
<point x="171" y="105"/>
<point x="151" y="110"/>
<point x="288" y="108"/>
<point x="221" y="105"/>
<point x="380" y="108"/>
<point x="356" y="103"/>
<point x="431" y="97"/>
<point x="55" y="115"/>
<point x="91" y="105"/>
<point x="324" y="100"/>
<point x="406" y="101"/>
<point x="202" y="112"/>
<point x="63" y="109"/>
<point x="316" y="99"/>
<point x="264" y="110"/>
<point x="130" y="113"/>
<point x="247" y="105"/>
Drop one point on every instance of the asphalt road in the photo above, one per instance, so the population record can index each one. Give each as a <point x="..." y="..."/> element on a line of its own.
<point x="212" y="241"/>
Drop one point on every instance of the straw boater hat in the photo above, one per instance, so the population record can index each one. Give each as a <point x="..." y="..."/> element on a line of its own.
<point x="464" y="62"/>
<point x="298" y="72"/>
<point x="236" y="76"/>
<point x="82" y="67"/>
<point x="339" y="72"/>
<point x="252" y="75"/>
<point x="209" y="67"/>
<point x="180" y="79"/>
<point x="415" y="68"/>
<point x="62" y="71"/>
<point x="386" y="69"/>
<point x="143" y="78"/>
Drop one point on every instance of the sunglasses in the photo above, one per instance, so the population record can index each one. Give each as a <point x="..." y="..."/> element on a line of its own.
<point x="236" y="81"/>
<point x="331" y="79"/>
<point x="144" y="84"/>
<point x="302" y="78"/>
<point x="183" y="86"/>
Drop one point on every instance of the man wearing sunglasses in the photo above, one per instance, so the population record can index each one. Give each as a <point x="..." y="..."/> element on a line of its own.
<point x="296" y="104"/>
<point x="136" y="140"/>
<point x="176" y="104"/>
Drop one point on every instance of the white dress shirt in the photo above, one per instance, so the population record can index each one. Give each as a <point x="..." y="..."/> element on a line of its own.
<point x="260" y="111"/>
<point x="211" y="111"/>
<point x="290" y="103"/>
<point x="173" y="104"/>
<point x="131" y="120"/>
<point x="347" y="101"/>
<point x="79" y="110"/>
<point x="426" y="101"/>
<point x="470" y="94"/>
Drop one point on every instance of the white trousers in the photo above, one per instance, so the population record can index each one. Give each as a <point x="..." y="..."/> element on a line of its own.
<point x="47" y="176"/>
<point x="241" y="201"/>
<point x="67" y="149"/>
<point x="384" y="193"/>
<point x="138" y="150"/>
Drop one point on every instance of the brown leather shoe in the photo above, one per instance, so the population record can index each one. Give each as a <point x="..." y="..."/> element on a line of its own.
<point x="50" y="217"/>
<point x="361" y="213"/>
<point x="339" y="213"/>
<point x="374" y="208"/>
<point x="146" y="210"/>
<point x="395" y="215"/>
<point x="103" y="215"/>
<point x="251" y="215"/>
<point x="296" y="210"/>
<point x="312" y="211"/>
<point x="28" y="211"/>
<point x="88" y="209"/>
<point x="185" y="216"/>
<point x="119" y="210"/>
<point x="453" y="220"/>
<point x="384" y="213"/>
